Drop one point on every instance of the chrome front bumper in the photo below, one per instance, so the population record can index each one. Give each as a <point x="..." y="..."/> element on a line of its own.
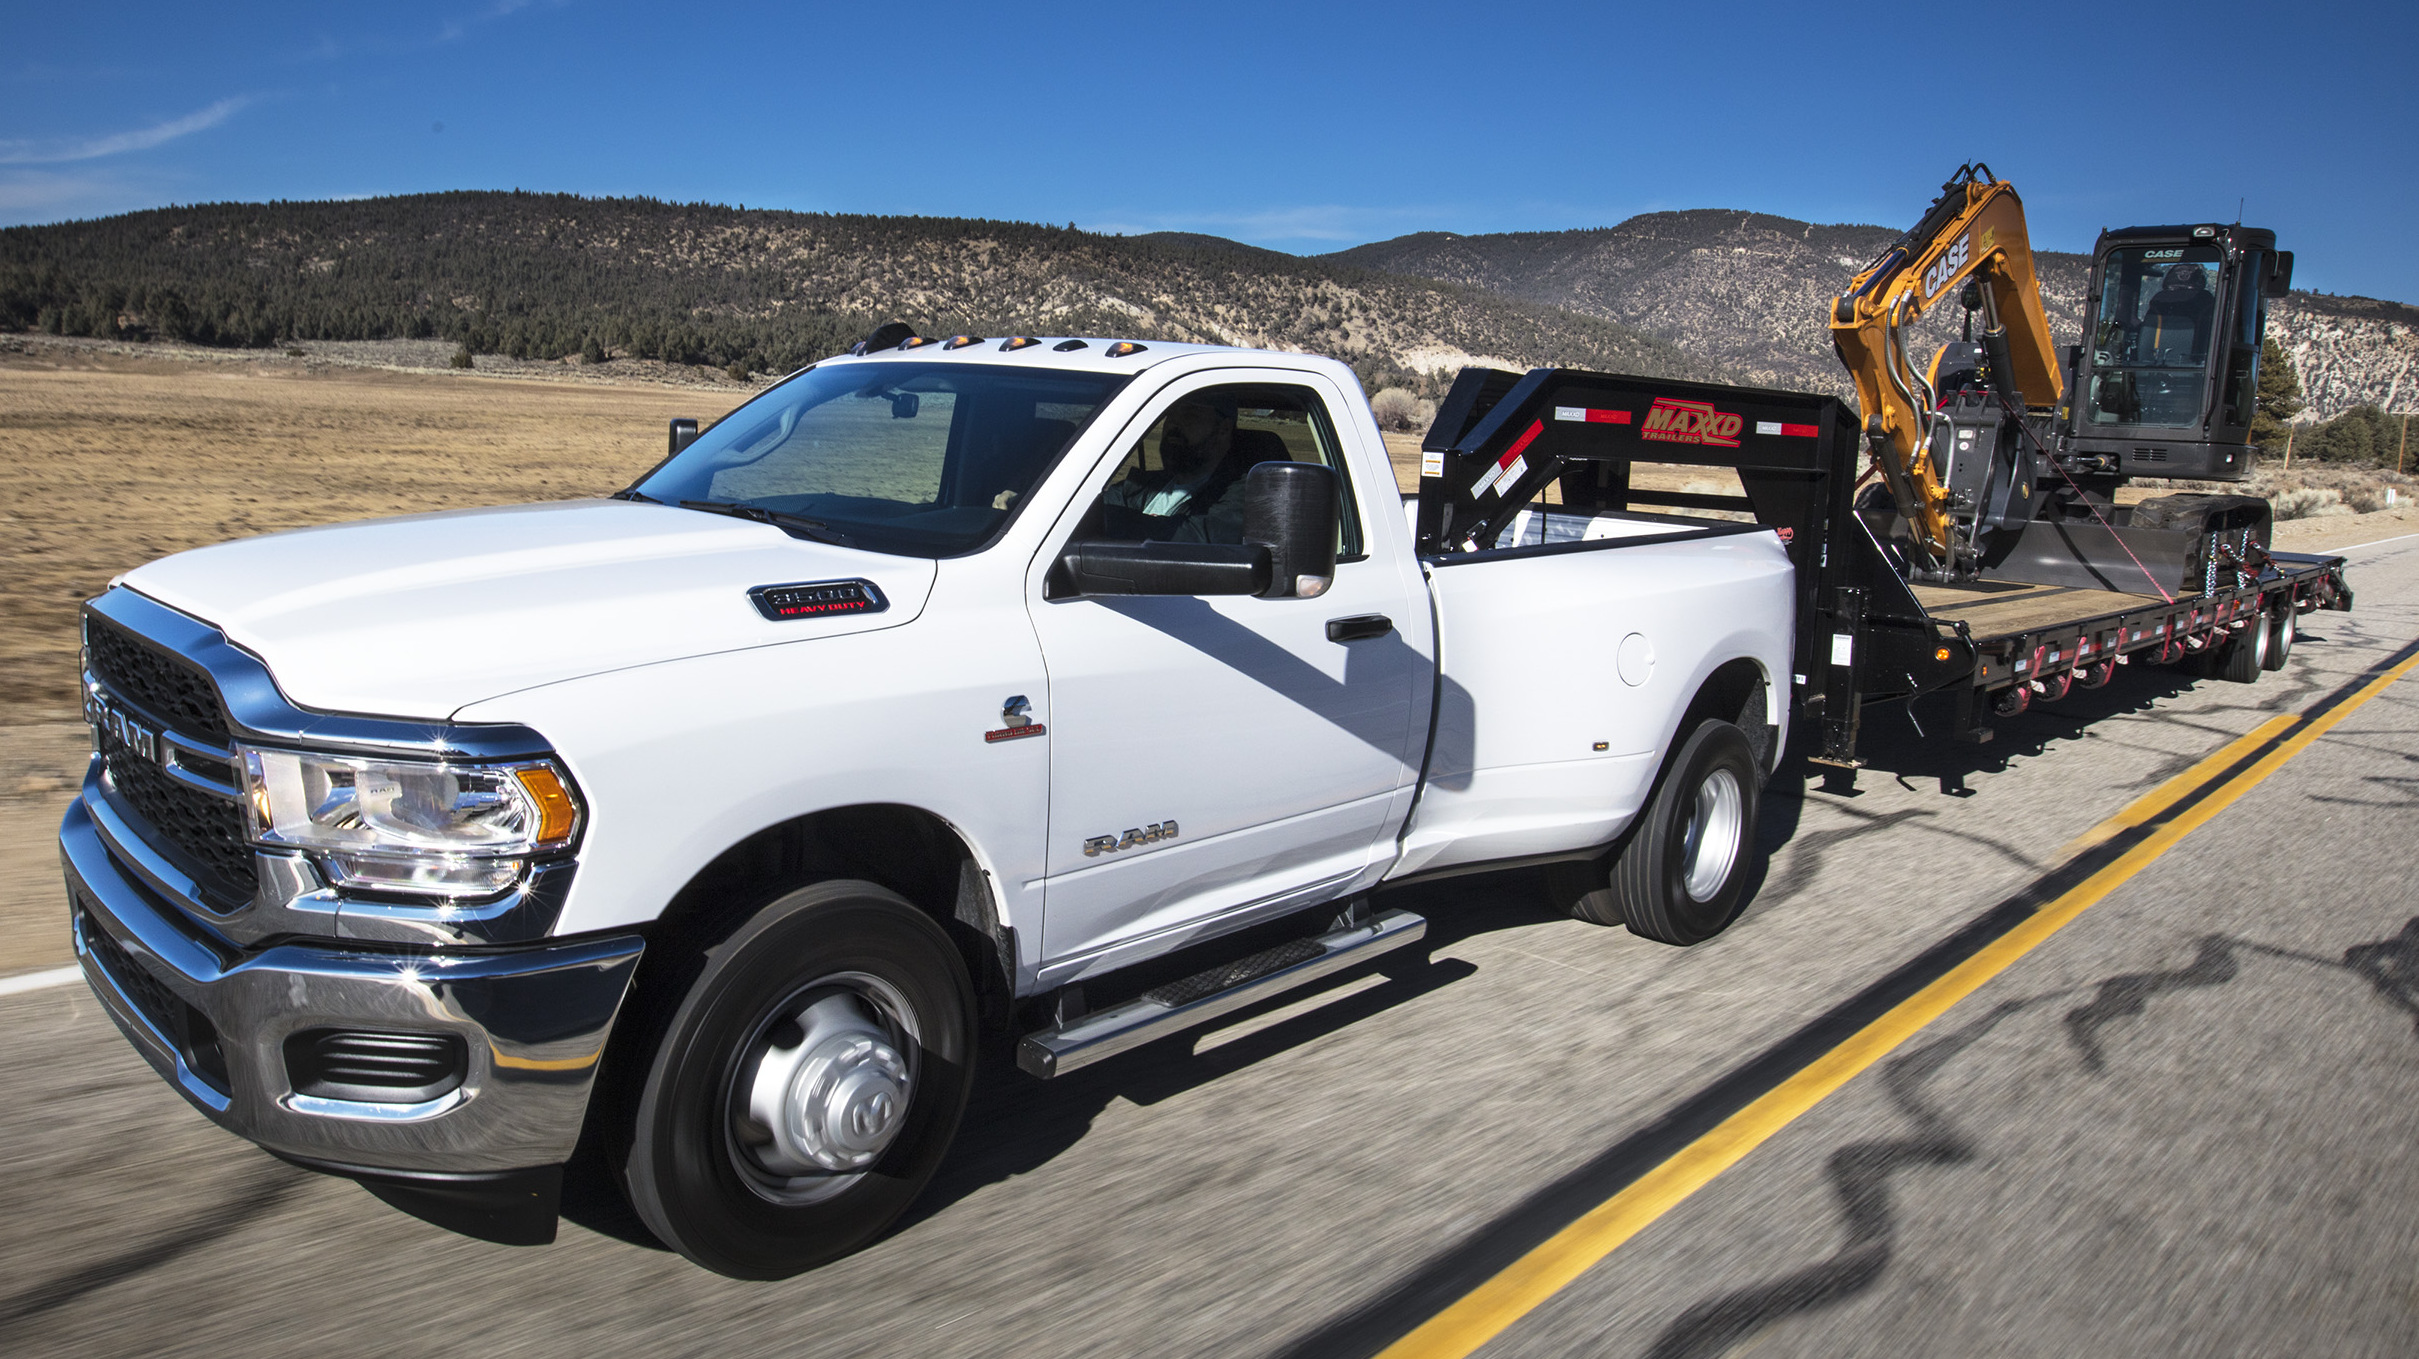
<point x="213" y="1020"/>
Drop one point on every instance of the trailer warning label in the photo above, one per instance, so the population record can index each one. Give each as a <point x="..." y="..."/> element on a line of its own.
<point x="1673" y="421"/>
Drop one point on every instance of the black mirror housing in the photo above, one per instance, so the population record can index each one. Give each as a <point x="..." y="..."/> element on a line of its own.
<point x="684" y="433"/>
<point x="2280" y="275"/>
<point x="1289" y="508"/>
<point x="1103" y="568"/>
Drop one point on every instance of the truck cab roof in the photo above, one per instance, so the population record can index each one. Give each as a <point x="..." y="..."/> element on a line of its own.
<point x="1066" y="353"/>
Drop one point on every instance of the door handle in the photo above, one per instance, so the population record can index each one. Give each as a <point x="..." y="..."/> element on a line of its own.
<point x="1359" y="628"/>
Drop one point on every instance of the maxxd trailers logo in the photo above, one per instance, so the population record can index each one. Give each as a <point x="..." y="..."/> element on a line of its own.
<point x="1673" y="421"/>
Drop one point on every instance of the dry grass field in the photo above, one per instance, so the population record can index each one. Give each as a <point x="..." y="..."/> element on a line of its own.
<point x="113" y="459"/>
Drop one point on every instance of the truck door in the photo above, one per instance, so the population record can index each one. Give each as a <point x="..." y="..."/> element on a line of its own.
<point x="1217" y="758"/>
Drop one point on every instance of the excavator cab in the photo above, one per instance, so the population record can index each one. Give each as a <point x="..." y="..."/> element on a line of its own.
<point x="2165" y="381"/>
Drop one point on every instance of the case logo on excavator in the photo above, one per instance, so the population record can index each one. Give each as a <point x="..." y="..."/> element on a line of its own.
<point x="1673" y="421"/>
<point x="1945" y="268"/>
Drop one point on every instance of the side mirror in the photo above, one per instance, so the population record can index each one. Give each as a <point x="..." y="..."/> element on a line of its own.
<point x="2280" y="275"/>
<point x="1290" y="509"/>
<point x="1098" y="568"/>
<point x="2074" y="359"/>
<point x="684" y="433"/>
<point x="1287" y="552"/>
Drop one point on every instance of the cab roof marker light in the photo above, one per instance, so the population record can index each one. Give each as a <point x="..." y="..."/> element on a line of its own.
<point x="962" y="342"/>
<point x="1069" y="346"/>
<point x="916" y="342"/>
<point x="1123" y="348"/>
<point x="1010" y="346"/>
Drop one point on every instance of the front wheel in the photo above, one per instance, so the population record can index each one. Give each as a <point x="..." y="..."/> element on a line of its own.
<point x="806" y="1087"/>
<point x="1681" y="878"/>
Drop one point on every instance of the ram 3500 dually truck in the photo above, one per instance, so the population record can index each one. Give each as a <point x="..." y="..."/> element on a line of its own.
<point x="945" y="693"/>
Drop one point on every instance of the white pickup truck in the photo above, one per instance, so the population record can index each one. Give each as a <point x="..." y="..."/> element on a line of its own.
<point x="909" y="708"/>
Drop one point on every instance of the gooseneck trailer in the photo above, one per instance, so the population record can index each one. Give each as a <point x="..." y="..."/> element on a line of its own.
<point x="2031" y="626"/>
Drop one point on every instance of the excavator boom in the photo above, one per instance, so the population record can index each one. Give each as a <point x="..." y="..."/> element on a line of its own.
<point x="1974" y="232"/>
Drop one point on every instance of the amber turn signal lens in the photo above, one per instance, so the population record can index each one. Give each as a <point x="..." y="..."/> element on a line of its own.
<point x="1941" y="654"/>
<point x="556" y="812"/>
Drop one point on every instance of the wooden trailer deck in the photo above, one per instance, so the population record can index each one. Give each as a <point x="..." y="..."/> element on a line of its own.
<point x="2006" y="608"/>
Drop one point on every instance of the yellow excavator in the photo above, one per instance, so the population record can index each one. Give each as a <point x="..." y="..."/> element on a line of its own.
<point x="1989" y="465"/>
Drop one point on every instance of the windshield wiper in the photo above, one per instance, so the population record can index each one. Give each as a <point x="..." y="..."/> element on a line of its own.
<point x="798" y="523"/>
<point x="633" y="493"/>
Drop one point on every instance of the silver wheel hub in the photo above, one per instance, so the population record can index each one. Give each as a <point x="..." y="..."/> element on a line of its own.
<point x="1710" y="844"/>
<point x="835" y="1099"/>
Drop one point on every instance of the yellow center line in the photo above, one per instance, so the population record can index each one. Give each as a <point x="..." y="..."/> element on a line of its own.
<point x="1484" y="1312"/>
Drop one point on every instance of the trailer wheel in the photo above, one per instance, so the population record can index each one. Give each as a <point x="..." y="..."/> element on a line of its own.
<point x="2244" y="656"/>
<point x="1681" y="878"/>
<point x="2281" y="632"/>
<point x="807" y="1085"/>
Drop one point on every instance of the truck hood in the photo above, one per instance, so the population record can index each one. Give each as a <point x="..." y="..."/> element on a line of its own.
<point x="418" y="616"/>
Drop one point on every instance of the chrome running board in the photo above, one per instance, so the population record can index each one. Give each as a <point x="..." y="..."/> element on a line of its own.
<point x="1204" y="996"/>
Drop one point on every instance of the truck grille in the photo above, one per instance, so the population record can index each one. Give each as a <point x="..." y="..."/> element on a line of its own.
<point x="172" y="690"/>
<point x="203" y="834"/>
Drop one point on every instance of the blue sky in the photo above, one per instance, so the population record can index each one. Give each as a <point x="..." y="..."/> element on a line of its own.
<point x="1300" y="126"/>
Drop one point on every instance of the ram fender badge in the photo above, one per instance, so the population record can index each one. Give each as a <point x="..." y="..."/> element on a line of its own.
<point x="1098" y="845"/>
<point x="1016" y="721"/>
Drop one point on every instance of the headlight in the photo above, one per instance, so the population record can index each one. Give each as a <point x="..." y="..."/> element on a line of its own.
<point x="405" y="826"/>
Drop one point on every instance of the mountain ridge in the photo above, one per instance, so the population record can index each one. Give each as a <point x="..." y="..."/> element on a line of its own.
<point x="548" y="274"/>
<point x="1749" y="291"/>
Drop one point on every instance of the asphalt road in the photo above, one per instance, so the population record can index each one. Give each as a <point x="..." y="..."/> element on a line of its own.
<point x="2184" y="1125"/>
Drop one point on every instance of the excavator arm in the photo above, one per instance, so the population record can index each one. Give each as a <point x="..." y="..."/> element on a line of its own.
<point x="1973" y="232"/>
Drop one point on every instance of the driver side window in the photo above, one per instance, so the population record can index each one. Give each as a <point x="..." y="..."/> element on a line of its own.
<point x="1183" y="480"/>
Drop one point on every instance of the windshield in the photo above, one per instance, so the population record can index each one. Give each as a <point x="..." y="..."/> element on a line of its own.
<point x="2150" y="353"/>
<point x="919" y="459"/>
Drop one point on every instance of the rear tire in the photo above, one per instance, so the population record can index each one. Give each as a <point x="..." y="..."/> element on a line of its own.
<point x="2281" y="632"/>
<point x="807" y="1085"/>
<point x="1681" y="878"/>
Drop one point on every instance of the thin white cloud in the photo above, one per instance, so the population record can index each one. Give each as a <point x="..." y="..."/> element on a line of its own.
<point x="60" y="151"/>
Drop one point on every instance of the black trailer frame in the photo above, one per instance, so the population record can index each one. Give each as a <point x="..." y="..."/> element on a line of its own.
<point x="1863" y="634"/>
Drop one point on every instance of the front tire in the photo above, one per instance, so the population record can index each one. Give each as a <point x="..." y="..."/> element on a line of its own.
<point x="807" y="1085"/>
<point x="1681" y="878"/>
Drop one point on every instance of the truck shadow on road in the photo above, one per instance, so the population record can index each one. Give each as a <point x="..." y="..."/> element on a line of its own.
<point x="1016" y="1124"/>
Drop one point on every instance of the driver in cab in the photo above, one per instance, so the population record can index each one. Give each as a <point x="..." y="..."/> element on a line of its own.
<point x="1196" y="494"/>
